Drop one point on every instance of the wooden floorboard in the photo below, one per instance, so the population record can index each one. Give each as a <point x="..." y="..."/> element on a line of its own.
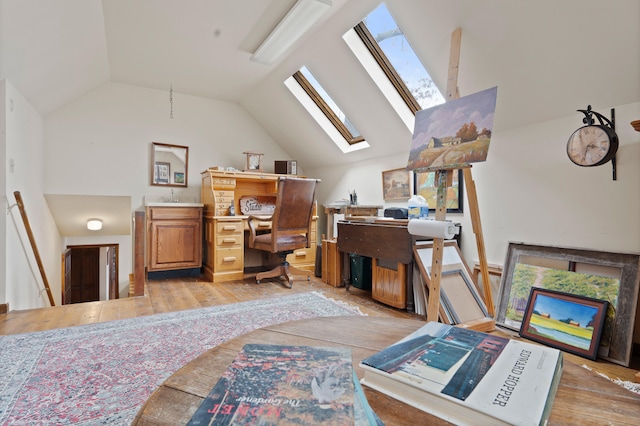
<point x="170" y="295"/>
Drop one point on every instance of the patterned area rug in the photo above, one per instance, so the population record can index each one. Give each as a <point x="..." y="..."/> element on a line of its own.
<point x="102" y="373"/>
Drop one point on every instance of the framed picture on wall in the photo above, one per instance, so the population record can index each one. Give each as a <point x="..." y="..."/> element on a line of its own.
<point x="395" y="185"/>
<point x="424" y="184"/>
<point x="162" y="171"/>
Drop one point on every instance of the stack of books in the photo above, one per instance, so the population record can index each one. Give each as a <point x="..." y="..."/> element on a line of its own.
<point x="276" y="384"/>
<point x="468" y="377"/>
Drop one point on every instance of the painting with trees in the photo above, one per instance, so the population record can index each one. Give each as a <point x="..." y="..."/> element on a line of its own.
<point x="565" y="321"/>
<point x="527" y="277"/>
<point x="455" y="133"/>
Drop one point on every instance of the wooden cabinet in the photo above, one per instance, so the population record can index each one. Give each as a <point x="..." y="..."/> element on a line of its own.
<point x="174" y="238"/>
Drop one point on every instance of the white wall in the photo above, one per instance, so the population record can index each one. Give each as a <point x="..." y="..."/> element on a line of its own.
<point x="529" y="191"/>
<point x="22" y="281"/>
<point x="114" y="126"/>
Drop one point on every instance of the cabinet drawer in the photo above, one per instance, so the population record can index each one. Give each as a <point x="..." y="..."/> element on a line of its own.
<point x="303" y="255"/>
<point x="179" y="213"/>
<point x="229" y="227"/>
<point x="223" y="182"/>
<point x="229" y="240"/>
<point x="229" y="259"/>
<point x="223" y="195"/>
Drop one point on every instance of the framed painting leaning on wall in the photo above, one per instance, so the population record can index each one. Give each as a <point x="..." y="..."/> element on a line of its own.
<point x="597" y="274"/>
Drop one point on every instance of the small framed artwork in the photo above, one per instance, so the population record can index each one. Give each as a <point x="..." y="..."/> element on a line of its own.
<point x="161" y="172"/>
<point x="564" y="321"/>
<point x="395" y="185"/>
<point x="425" y="184"/>
<point x="178" y="177"/>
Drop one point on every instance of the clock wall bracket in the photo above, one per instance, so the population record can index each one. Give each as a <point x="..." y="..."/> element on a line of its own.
<point x="595" y="143"/>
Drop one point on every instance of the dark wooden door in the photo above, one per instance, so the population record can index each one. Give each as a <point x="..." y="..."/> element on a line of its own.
<point x="85" y="278"/>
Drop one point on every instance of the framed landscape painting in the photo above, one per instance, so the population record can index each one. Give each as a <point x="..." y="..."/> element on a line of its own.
<point x="565" y="321"/>
<point x="602" y="275"/>
<point x="395" y="185"/>
<point x="454" y="133"/>
<point x="424" y="184"/>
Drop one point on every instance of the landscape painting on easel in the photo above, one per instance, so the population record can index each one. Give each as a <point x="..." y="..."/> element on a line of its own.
<point x="454" y="133"/>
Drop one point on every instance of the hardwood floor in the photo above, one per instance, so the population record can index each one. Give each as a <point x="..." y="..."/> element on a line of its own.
<point x="189" y="293"/>
<point x="180" y="294"/>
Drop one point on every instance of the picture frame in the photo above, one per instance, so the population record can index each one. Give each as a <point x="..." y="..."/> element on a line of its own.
<point x="564" y="321"/>
<point x="178" y="177"/>
<point x="424" y="185"/>
<point x="161" y="172"/>
<point x="460" y="298"/>
<point x="610" y="276"/>
<point x="253" y="161"/>
<point x="396" y="185"/>
<point x="167" y="159"/>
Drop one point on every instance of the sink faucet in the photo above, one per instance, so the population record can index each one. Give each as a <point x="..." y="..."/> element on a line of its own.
<point x="171" y="199"/>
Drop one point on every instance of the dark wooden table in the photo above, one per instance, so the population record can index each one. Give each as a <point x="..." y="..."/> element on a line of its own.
<point x="583" y="398"/>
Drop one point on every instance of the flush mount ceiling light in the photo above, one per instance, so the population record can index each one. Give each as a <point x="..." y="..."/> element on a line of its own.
<point x="94" y="224"/>
<point x="296" y="22"/>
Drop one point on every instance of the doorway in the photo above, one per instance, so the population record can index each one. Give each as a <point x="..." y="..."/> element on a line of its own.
<point x="90" y="273"/>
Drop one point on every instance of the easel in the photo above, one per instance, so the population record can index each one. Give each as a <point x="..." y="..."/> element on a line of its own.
<point x="444" y="179"/>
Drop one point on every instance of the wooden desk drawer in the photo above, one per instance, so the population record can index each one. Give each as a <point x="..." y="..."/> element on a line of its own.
<point x="227" y="240"/>
<point x="303" y="255"/>
<point x="229" y="227"/>
<point x="223" y="195"/>
<point x="229" y="259"/>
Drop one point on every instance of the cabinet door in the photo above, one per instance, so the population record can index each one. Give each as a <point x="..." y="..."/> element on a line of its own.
<point x="388" y="285"/>
<point x="175" y="245"/>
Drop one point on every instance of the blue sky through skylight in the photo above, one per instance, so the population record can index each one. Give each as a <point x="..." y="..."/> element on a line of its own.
<point x="396" y="47"/>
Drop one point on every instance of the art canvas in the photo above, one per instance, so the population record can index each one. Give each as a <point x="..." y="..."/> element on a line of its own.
<point x="455" y="133"/>
<point x="564" y="321"/>
<point x="527" y="277"/>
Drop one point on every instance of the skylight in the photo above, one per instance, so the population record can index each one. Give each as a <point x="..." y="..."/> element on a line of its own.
<point x="306" y="88"/>
<point x="385" y="53"/>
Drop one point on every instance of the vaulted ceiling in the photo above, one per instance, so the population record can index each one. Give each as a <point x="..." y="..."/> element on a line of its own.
<point x="547" y="57"/>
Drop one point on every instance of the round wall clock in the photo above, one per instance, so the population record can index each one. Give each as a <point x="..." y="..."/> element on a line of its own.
<point x="593" y="144"/>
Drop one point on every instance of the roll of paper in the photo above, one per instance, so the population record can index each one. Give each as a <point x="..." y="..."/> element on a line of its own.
<point x="432" y="228"/>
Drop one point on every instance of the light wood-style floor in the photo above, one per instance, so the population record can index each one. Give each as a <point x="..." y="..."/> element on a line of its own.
<point x="180" y="294"/>
<point x="189" y="293"/>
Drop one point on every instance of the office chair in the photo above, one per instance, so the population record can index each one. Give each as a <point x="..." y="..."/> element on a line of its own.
<point x="290" y="226"/>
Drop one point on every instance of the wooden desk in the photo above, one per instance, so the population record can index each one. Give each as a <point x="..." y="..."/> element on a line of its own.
<point x="390" y="247"/>
<point x="224" y="253"/>
<point x="583" y="397"/>
<point x="347" y="210"/>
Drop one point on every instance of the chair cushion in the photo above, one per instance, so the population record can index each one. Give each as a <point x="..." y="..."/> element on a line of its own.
<point x="285" y="242"/>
